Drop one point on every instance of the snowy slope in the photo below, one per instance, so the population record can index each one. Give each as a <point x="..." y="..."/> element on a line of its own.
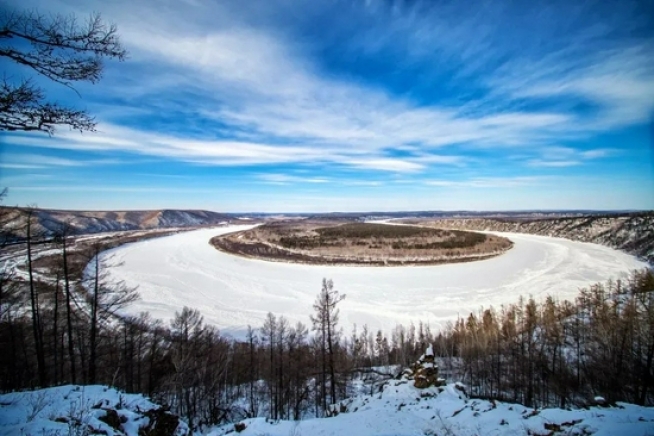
<point x="73" y="410"/>
<point x="232" y="291"/>
<point x="401" y="409"/>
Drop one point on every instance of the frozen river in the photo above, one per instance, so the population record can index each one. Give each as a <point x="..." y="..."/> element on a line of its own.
<point x="232" y="292"/>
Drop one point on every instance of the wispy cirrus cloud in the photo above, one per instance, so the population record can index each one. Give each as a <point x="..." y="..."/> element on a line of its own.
<point x="561" y="157"/>
<point x="619" y="82"/>
<point x="228" y="152"/>
<point x="439" y="92"/>
<point x="37" y="161"/>
<point x="285" y="179"/>
<point x="488" y="182"/>
<point x="266" y="93"/>
<point x="264" y="90"/>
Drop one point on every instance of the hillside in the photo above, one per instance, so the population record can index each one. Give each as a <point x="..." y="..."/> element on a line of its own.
<point x="632" y="233"/>
<point x="51" y="222"/>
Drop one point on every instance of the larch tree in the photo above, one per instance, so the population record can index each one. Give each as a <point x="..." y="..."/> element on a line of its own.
<point x="269" y="336"/>
<point x="186" y="331"/>
<point x="324" y="322"/>
<point x="252" y="341"/>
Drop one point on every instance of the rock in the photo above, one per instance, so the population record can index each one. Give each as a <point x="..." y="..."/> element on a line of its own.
<point x="112" y="419"/>
<point x="161" y="423"/>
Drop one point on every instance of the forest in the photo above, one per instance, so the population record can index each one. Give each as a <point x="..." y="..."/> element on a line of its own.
<point x="64" y="328"/>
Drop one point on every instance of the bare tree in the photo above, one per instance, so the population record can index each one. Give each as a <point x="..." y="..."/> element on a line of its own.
<point x="187" y="332"/>
<point x="253" y="341"/>
<point x="269" y="336"/>
<point x="63" y="235"/>
<point x="105" y="300"/>
<point x="60" y="49"/>
<point x="37" y="325"/>
<point x="324" y="323"/>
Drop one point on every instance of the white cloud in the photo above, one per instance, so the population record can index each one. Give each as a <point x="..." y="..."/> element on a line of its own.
<point x="34" y="161"/>
<point x="620" y="82"/>
<point x="487" y="182"/>
<point x="225" y="152"/>
<point x="386" y="164"/>
<point x="597" y="153"/>
<point x="561" y="157"/>
<point x="285" y="179"/>
<point x="553" y="163"/>
<point x="264" y="87"/>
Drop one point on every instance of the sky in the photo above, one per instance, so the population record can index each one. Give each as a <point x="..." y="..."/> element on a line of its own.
<point x="323" y="106"/>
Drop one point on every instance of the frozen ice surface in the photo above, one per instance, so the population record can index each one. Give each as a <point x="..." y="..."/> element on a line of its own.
<point x="231" y="291"/>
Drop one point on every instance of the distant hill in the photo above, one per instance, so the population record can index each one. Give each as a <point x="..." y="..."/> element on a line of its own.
<point x="519" y="214"/>
<point x="51" y="222"/>
<point x="631" y="232"/>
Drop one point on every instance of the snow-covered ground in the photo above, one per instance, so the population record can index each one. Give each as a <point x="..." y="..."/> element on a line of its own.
<point x="76" y="410"/>
<point x="398" y="410"/>
<point x="232" y="292"/>
<point x="401" y="409"/>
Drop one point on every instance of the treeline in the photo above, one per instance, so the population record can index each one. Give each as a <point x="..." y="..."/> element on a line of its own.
<point x="557" y="353"/>
<point x="459" y="239"/>
<point x="370" y="234"/>
<point x="376" y="235"/>
<point x="374" y="230"/>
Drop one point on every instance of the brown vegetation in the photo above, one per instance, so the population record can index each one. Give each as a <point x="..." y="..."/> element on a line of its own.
<point x="320" y="242"/>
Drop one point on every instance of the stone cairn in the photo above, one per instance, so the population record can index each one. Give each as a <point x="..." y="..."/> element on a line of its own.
<point x="425" y="371"/>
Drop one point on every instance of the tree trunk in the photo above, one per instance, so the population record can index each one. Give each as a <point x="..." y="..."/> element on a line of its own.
<point x="94" y="322"/>
<point x="55" y="338"/>
<point x="69" y="319"/>
<point x="34" y="300"/>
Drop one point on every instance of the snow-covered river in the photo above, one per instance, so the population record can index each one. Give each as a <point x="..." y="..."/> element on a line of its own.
<point x="232" y="292"/>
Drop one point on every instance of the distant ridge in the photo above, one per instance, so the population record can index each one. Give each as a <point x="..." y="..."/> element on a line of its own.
<point x="51" y="221"/>
<point x="509" y="214"/>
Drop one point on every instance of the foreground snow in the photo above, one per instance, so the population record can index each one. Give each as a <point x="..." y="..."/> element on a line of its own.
<point x="72" y="410"/>
<point x="399" y="409"/>
<point x="232" y="292"/>
<point x="402" y="409"/>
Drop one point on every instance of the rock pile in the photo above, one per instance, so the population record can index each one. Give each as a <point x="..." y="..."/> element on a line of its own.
<point x="425" y="371"/>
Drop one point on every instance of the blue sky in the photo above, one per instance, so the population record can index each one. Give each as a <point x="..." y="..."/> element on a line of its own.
<point x="318" y="106"/>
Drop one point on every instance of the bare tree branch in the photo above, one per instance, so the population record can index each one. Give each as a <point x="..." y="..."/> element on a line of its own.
<point x="60" y="49"/>
<point x="24" y="108"/>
